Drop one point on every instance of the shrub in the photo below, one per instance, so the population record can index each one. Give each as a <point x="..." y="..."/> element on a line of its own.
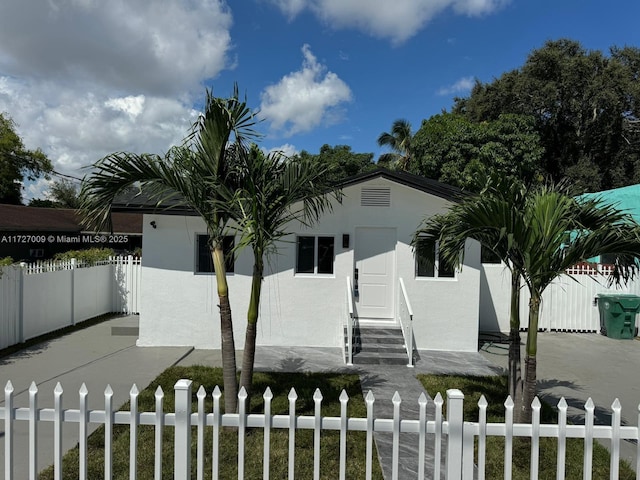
<point x="90" y="255"/>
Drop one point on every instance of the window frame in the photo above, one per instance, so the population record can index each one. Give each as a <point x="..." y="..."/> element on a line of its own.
<point x="316" y="256"/>
<point x="436" y="269"/>
<point x="228" y="245"/>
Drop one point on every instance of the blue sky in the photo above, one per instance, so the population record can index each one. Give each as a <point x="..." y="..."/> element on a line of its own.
<point x="84" y="78"/>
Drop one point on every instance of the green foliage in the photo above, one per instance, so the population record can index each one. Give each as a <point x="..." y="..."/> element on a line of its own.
<point x="400" y="141"/>
<point x="586" y="109"/>
<point x="454" y="150"/>
<point x="494" y="390"/>
<point x="64" y="194"/>
<point x="42" y="203"/>
<point x="340" y="161"/>
<point x="305" y="384"/>
<point x="17" y="163"/>
<point x="90" y="255"/>
<point x="6" y="261"/>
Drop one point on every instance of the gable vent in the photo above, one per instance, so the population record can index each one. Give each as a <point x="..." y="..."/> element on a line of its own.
<point x="375" y="197"/>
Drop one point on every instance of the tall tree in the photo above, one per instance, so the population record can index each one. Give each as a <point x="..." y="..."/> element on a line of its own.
<point x="63" y="194"/>
<point x="399" y="140"/>
<point x="197" y="174"/>
<point x="586" y="106"/>
<point x="17" y="163"/>
<point x="273" y="193"/>
<point x="452" y="149"/>
<point x="340" y="161"/>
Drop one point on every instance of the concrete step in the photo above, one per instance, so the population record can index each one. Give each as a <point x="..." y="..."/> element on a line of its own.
<point x="368" y="358"/>
<point x="379" y="346"/>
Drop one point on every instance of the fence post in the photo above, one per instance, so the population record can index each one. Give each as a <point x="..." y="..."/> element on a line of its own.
<point x="455" y="419"/>
<point x="182" y="441"/>
<point x="21" y="338"/>
<point x="73" y="291"/>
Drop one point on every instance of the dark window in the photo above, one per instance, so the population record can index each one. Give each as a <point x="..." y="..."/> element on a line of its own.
<point x="430" y="265"/>
<point x="306" y="254"/>
<point x="204" y="262"/>
<point x="325" y="254"/>
<point x="315" y="254"/>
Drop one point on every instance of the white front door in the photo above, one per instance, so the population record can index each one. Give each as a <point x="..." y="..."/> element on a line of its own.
<point x="375" y="266"/>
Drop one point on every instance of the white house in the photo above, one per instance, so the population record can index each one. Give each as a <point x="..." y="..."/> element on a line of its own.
<point x="304" y="295"/>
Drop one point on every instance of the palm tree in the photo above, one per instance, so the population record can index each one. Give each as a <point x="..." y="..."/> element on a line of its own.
<point x="399" y="140"/>
<point x="274" y="192"/>
<point x="486" y="218"/>
<point x="594" y="228"/>
<point x="196" y="174"/>
<point x="531" y="229"/>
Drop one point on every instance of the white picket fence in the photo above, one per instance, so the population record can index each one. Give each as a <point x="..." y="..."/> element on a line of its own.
<point x="568" y="304"/>
<point x="450" y="437"/>
<point x="46" y="296"/>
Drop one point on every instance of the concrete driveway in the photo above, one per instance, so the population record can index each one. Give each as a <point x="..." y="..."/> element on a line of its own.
<point x="577" y="366"/>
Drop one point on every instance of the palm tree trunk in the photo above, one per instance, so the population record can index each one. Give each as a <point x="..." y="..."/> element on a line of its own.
<point x="515" y="366"/>
<point x="228" y="346"/>
<point x="249" y="355"/>
<point x="530" y="361"/>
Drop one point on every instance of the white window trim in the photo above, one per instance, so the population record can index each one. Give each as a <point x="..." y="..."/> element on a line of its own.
<point x="436" y="267"/>
<point x="315" y="273"/>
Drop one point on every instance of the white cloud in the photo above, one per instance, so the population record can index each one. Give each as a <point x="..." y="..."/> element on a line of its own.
<point x="84" y="78"/>
<point x="76" y="129"/>
<point x="397" y="20"/>
<point x="36" y="189"/>
<point x="304" y="99"/>
<point x="287" y="149"/>
<point x="159" y="47"/>
<point x="463" y="85"/>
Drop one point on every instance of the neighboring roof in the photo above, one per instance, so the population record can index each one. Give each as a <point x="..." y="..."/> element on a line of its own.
<point x="35" y="219"/>
<point x="418" y="182"/>
<point x="626" y="199"/>
<point x="137" y="201"/>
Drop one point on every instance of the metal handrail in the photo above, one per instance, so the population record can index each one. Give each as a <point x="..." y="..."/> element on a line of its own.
<point x="407" y="326"/>
<point x="350" y="321"/>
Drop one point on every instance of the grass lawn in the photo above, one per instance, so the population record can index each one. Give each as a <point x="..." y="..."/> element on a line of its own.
<point x="330" y="385"/>
<point x="495" y="391"/>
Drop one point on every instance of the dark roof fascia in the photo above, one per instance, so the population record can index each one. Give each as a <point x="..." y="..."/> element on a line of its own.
<point x="141" y="203"/>
<point x="423" y="184"/>
<point x="152" y="209"/>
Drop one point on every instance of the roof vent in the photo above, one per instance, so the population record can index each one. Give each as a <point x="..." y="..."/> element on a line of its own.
<point x="375" y="197"/>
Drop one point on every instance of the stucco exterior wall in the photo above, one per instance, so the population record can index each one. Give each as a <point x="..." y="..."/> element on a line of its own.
<point x="178" y="307"/>
<point x="495" y="298"/>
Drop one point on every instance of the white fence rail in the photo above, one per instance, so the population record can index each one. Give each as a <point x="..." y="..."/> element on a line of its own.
<point x="567" y="304"/>
<point x="46" y="296"/>
<point x="452" y="436"/>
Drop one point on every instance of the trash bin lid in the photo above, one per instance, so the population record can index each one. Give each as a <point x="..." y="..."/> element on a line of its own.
<point x="628" y="301"/>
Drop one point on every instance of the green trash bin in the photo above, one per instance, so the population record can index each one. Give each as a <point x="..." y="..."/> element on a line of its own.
<point x="618" y="314"/>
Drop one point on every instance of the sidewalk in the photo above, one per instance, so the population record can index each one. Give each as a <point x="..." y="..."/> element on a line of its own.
<point x="100" y="355"/>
